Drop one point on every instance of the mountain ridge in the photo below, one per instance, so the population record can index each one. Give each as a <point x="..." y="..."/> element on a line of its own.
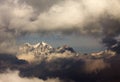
<point x="42" y="50"/>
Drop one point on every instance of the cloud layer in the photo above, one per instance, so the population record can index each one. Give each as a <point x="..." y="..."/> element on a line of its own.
<point x="96" y="17"/>
<point x="13" y="76"/>
<point x="72" y="68"/>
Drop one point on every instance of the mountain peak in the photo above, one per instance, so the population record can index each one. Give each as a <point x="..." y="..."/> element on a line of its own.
<point x="43" y="43"/>
<point x="65" y="48"/>
<point x="36" y="45"/>
<point x="42" y="50"/>
<point x="27" y="44"/>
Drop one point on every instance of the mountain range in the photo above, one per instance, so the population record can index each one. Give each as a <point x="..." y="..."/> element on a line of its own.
<point x="42" y="50"/>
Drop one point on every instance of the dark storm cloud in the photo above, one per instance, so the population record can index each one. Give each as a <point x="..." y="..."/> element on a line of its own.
<point x="110" y="26"/>
<point x="111" y="30"/>
<point x="73" y="69"/>
<point x="109" y="41"/>
<point x="14" y="77"/>
<point x="8" y="61"/>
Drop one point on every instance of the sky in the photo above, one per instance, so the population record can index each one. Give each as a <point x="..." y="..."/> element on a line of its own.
<point x="82" y="44"/>
<point x="81" y="24"/>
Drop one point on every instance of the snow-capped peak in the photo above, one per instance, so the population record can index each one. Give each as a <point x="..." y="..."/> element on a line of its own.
<point x="38" y="48"/>
<point x="36" y="45"/>
<point x="42" y="50"/>
<point x="65" y="48"/>
<point x="43" y="43"/>
<point x="40" y="44"/>
<point x="27" y="44"/>
<point x="46" y="45"/>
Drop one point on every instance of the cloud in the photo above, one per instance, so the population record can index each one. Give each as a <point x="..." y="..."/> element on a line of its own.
<point x="31" y="57"/>
<point x="95" y="17"/>
<point x="41" y="5"/>
<point x="77" y="14"/>
<point x="28" y="57"/>
<point x="67" y="67"/>
<point x="12" y="15"/>
<point x="63" y="15"/>
<point x="13" y="76"/>
<point x="95" y="65"/>
<point x="9" y="61"/>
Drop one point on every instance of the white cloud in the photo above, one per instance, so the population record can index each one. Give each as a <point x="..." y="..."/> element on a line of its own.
<point x="66" y="15"/>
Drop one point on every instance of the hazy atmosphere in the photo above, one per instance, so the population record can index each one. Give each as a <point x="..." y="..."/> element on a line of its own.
<point x="59" y="40"/>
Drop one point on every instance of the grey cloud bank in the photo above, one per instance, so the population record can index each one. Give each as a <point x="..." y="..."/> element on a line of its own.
<point x="91" y="17"/>
<point x="66" y="67"/>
